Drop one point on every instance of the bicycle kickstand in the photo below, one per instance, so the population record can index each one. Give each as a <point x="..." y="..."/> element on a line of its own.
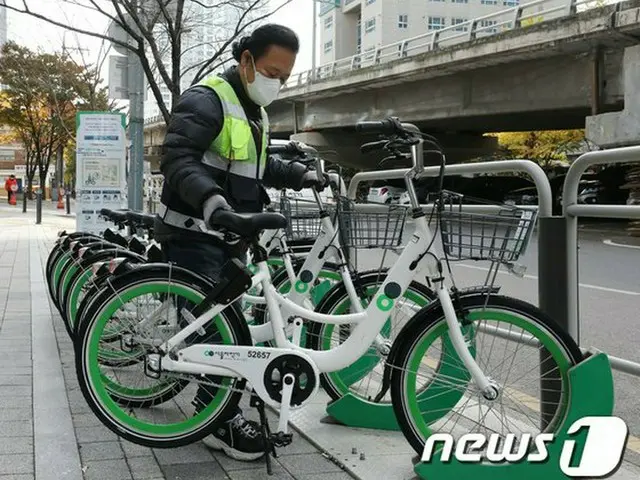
<point x="269" y="448"/>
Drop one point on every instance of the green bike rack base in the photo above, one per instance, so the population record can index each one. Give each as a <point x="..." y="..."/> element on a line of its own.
<point x="356" y="412"/>
<point x="585" y="400"/>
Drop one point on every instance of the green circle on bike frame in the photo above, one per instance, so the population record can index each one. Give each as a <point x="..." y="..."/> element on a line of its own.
<point x="252" y="268"/>
<point x="384" y="303"/>
<point x="301" y="286"/>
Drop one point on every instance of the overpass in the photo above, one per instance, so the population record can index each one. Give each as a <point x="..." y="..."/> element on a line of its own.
<point x="549" y="66"/>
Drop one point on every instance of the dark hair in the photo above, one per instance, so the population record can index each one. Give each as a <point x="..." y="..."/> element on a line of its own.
<point x="263" y="37"/>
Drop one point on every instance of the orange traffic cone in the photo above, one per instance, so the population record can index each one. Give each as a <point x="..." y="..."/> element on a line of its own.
<point x="60" y="198"/>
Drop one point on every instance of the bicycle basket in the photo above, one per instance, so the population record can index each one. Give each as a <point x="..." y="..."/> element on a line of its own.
<point x="501" y="237"/>
<point x="362" y="227"/>
<point x="303" y="219"/>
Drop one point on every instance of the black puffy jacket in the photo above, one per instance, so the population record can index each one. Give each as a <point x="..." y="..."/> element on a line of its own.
<point x="196" y="121"/>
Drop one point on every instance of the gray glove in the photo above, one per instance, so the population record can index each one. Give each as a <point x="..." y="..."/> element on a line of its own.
<point x="310" y="179"/>
<point x="212" y="205"/>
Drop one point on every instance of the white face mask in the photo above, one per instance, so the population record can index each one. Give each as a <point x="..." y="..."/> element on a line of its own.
<point x="263" y="90"/>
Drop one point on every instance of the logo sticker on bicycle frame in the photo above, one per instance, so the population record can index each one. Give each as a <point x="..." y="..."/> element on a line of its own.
<point x="384" y="303"/>
<point x="301" y="287"/>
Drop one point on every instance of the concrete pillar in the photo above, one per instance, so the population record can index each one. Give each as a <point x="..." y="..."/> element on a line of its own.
<point x="620" y="129"/>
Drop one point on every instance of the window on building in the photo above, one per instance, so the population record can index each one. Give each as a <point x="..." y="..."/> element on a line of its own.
<point x="489" y="2"/>
<point x="437" y="0"/>
<point x="460" y="1"/>
<point x="435" y="23"/>
<point x="370" y="53"/>
<point x="487" y="24"/>
<point x="370" y="25"/>
<point x="328" y="46"/>
<point x="328" y="22"/>
<point x="511" y="3"/>
<point x="459" y="22"/>
<point x="369" y="2"/>
<point x="403" y="21"/>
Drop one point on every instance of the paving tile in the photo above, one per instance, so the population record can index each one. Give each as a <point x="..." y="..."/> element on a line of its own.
<point x="100" y="451"/>
<point x="194" y="453"/>
<point x="12" y="391"/>
<point x="15" y="414"/>
<point x="106" y="470"/>
<point x="94" y="434"/>
<point x="22" y="428"/>
<point x="279" y="473"/>
<point x="133" y="450"/>
<point x="15" y="380"/>
<point x="324" y="476"/>
<point x="13" y="370"/>
<point x="14" y="464"/>
<point x="16" y="445"/>
<point x="144" y="468"/>
<point x="299" y="445"/>
<point x="230" y="465"/>
<point x="198" y="471"/>
<point x="85" y="420"/>
<point x="308" y="463"/>
<point x="17" y="477"/>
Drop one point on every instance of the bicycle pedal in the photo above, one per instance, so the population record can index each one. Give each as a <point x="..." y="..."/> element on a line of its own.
<point x="188" y="316"/>
<point x="153" y="366"/>
<point x="281" y="439"/>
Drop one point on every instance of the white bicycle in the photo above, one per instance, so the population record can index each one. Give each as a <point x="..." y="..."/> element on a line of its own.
<point x="436" y="370"/>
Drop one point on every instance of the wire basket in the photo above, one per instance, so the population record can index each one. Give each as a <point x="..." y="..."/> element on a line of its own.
<point x="500" y="237"/>
<point x="370" y="229"/>
<point x="303" y="218"/>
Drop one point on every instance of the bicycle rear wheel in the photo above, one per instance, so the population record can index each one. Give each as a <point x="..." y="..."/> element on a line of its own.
<point x="445" y="399"/>
<point x="120" y="398"/>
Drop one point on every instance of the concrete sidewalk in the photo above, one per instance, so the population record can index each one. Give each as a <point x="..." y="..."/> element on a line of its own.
<point x="47" y="431"/>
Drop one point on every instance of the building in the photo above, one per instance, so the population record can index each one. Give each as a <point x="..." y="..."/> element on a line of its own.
<point x="206" y="24"/>
<point x="351" y="27"/>
<point x="3" y="23"/>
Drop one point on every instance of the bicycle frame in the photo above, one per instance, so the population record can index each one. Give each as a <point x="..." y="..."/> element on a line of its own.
<point x="418" y="257"/>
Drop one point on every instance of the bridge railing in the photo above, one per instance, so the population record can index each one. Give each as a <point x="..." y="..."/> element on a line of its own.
<point x="517" y="17"/>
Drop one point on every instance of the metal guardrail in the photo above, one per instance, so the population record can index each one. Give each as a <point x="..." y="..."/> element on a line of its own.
<point x="572" y="211"/>
<point x="525" y="166"/>
<point x="517" y="17"/>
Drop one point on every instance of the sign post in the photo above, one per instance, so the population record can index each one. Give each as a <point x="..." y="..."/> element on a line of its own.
<point x="100" y="168"/>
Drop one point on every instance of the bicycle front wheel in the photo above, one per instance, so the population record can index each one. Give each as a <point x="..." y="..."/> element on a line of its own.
<point x="516" y="345"/>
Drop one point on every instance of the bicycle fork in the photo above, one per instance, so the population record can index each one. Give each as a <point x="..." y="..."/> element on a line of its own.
<point x="487" y="387"/>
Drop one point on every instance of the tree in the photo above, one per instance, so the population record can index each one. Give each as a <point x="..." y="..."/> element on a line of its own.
<point x="41" y="95"/>
<point x="163" y="33"/>
<point x="545" y="146"/>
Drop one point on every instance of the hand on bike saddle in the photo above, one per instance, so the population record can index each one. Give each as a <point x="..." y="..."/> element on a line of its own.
<point x="213" y="205"/>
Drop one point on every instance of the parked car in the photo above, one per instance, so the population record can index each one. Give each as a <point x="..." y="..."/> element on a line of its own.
<point x="384" y="194"/>
<point x="522" y="196"/>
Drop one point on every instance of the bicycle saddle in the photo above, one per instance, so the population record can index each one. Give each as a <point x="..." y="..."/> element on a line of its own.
<point x="247" y="225"/>
<point x="142" y="219"/>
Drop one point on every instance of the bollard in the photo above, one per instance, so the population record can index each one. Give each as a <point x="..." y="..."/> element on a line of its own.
<point x="68" y="202"/>
<point x="38" y="207"/>
<point x="552" y="292"/>
<point x="24" y="200"/>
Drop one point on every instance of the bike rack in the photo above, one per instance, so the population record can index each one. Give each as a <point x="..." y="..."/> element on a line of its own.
<point x="356" y="412"/>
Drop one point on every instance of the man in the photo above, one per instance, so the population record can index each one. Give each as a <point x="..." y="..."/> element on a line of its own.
<point x="11" y="186"/>
<point x="215" y="158"/>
